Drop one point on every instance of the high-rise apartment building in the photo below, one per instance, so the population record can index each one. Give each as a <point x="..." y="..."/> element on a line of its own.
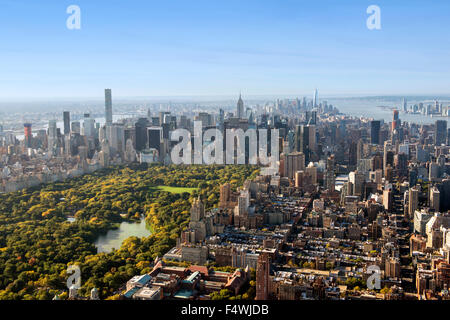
<point x="387" y="199"/>
<point x="413" y="202"/>
<point x="108" y="107"/>
<point x="315" y="99"/>
<point x="435" y="196"/>
<point x="263" y="277"/>
<point x="89" y="127"/>
<point x="52" y="136"/>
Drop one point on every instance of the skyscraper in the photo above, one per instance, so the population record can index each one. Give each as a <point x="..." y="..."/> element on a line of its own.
<point x="115" y="135"/>
<point x="395" y="120"/>
<point x="108" y="106"/>
<point x="298" y="104"/>
<point x="294" y="162"/>
<point x="434" y="199"/>
<point x="263" y="277"/>
<point x="440" y="132"/>
<point x="448" y="136"/>
<point x="302" y="140"/>
<point x="315" y="99"/>
<point x="312" y="139"/>
<point x="221" y="118"/>
<point x="66" y="117"/>
<point x="52" y="136"/>
<point x="375" y="132"/>
<point x="329" y="178"/>
<point x="240" y="108"/>
<point x="28" y="134"/>
<point x="89" y="127"/>
<point x="76" y="127"/>
<point x="387" y="199"/>
<point x="163" y="117"/>
<point x="225" y="195"/>
<point x="388" y="156"/>
<point x="155" y="136"/>
<point x="413" y="201"/>
<point x="311" y="117"/>
<point x="401" y="164"/>
<point x="141" y="133"/>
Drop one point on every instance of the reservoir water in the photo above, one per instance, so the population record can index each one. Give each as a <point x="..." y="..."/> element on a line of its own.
<point x="114" y="238"/>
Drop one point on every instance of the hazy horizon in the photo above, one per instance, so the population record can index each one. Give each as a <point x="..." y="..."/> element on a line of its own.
<point x="219" y="98"/>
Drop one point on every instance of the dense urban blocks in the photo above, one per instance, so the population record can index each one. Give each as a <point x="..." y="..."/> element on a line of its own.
<point x="337" y="208"/>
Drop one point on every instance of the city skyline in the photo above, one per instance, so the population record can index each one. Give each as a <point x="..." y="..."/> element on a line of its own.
<point x="204" y="49"/>
<point x="225" y="157"/>
<point x="331" y="196"/>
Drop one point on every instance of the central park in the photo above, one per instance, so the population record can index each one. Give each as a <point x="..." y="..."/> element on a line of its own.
<point x="38" y="242"/>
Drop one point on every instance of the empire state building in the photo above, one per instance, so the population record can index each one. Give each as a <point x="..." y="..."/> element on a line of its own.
<point x="240" y="108"/>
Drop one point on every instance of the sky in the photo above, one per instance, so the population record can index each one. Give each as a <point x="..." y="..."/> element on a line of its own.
<point x="144" y="48"/>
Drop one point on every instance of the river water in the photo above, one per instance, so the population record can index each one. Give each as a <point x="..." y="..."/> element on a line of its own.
<point x="369" y="107"/>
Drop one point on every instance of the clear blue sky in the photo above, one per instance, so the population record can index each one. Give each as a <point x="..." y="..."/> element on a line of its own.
<point x="197" y="47"/>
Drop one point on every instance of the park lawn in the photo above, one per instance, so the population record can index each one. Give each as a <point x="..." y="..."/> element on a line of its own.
<point x="176" y="189"/>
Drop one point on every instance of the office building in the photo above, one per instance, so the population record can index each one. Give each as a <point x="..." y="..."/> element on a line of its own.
<point x="440" y="134"/>
<point x="66" y="119"/>
<point x="155" y="137"/>
<point x="294" y="162"/>
<point x="375" y="132"/>
<point x="240" y="108"/>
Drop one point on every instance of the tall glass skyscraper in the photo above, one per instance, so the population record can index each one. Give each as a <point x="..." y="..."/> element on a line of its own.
<point x="375" y="131"/>
<point x="66" y="116"/>
<point x="440" y="132"/>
